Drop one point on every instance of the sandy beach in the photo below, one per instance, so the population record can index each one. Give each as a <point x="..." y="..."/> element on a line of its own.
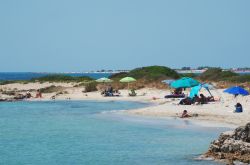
<point x="219" y="111"/>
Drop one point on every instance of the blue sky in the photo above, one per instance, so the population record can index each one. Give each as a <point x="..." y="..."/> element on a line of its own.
<point x="81" y="35"/>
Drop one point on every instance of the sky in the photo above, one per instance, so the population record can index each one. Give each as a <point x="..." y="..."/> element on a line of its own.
<point x="83" y="35"/>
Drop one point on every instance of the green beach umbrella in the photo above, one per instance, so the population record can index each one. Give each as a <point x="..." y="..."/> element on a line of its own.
<point x="104" y="80"/>
<point x="127" y="80"/>
<point x="185" y="82"/>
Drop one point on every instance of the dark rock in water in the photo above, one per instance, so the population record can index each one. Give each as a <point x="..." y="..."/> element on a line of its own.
<point x="233" y="146"/>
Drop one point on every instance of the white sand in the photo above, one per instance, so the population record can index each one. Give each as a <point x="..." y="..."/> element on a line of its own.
<point x="217" y="112"/>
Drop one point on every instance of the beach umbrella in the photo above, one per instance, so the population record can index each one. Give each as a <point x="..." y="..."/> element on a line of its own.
<point x="168" y="82"/>
<point x="185" y="82"/>
<point x="195" y="90"/>
<point x="236" y="90"/>
<point x="127" y="80"/>
<point x="104" y="80"/>
<point x="208" y="86"/>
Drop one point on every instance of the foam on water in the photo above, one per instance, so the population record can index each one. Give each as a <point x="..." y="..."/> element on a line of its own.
<point x="79" y="132"/>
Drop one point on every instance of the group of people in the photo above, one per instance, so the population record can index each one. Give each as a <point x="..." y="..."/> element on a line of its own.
<point x="197" y="100"/>
<point x="238" y="109"/>
<point x="109" y="91"/>
<point x="177" y="93"/>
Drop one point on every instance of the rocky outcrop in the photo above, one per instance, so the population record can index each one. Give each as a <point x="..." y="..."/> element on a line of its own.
<point x="232" y="146"/>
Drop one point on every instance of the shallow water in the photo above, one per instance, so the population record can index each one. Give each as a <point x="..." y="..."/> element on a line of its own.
<point x="88" y="132"/>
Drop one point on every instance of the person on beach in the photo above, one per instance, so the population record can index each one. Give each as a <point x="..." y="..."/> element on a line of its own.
<point x="38" y="94"/>
<point x="28" y="95"/>
<point x="203" y="99"/>
<point x="185" y="114"/>
<point x="196" y="99"/>
<point x="186" y="101"/>
<point x="132" y="93"/>
<point x="239" y="108"/>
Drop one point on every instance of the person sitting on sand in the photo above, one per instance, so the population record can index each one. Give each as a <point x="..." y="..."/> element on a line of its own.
<point x="203" y="99"/>
<point x="109" y="91"/>
<point x="196" y="99"/>
<point x="185" y="114"/>
<point x="239" y="108"/>
<point x="177" y="91"/>
<point x="38" y="94"/>
<point x="133" y="93"/>
<point x="116" y="92"/>
<point x="28" y="95"/>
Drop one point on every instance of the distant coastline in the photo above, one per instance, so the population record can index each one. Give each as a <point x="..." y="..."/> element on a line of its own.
<point x="6" y="76"/>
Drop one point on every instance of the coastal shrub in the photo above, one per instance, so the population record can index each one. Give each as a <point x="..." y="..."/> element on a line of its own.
<point x="192" y="75"/>
<point x="10" y="93"/>
<point x="90" y="87"/>
<point x="149" y="73"/>
<point x="154" y="73"/>
<point x="119" y="75"/>
<point x="227" y="74"/>
<point x="216" y="74"/>
<point x="5" y="82"/>
<point x="239" y="79"/>
<point x="51" y="89"/>
<point x="211" y="74"/>
<point x="61" y="78"/>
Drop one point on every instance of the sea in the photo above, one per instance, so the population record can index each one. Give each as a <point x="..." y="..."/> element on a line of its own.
<point x="97" y="133"/>
<point x="4" y="76"/>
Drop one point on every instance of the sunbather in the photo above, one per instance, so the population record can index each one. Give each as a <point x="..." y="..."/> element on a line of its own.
<point x="133" y="93"/>
<point x="176" y="94"/>
<point x="186" y="101"/>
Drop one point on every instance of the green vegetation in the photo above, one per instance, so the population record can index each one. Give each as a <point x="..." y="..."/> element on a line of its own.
<point x="150" y="76"/>
<point x="216" y="74"/>
<point x="10" y="93"/>
<point x="90" y="87"/>
<point x="150" y="73"/>
<point x="51" y="89"/>
<point x="192" y="75"/>
<point x="13" y="81"/>
<point x="119" y="75"/>
<point x="239" y="79"/>
<point x="61" y="78"/>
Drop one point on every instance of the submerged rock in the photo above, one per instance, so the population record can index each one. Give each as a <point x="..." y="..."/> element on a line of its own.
<point x="233" y="146"/>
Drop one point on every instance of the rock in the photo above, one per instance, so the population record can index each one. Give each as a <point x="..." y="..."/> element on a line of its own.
<point x="233" y="146"/>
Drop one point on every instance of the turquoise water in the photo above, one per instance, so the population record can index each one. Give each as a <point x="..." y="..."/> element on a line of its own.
<point x="88" y="132"/>
<point x="29" y="75"/>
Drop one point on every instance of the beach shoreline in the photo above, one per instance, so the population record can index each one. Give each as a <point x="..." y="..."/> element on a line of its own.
<point x="221" y="111"/>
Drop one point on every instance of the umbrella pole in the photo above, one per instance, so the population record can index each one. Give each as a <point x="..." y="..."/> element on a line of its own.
<point x="209" y="92"/>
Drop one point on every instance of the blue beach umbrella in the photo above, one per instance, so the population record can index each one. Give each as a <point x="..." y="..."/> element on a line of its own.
<point x="236" y="90"/>
<point x="185" y="82"/>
